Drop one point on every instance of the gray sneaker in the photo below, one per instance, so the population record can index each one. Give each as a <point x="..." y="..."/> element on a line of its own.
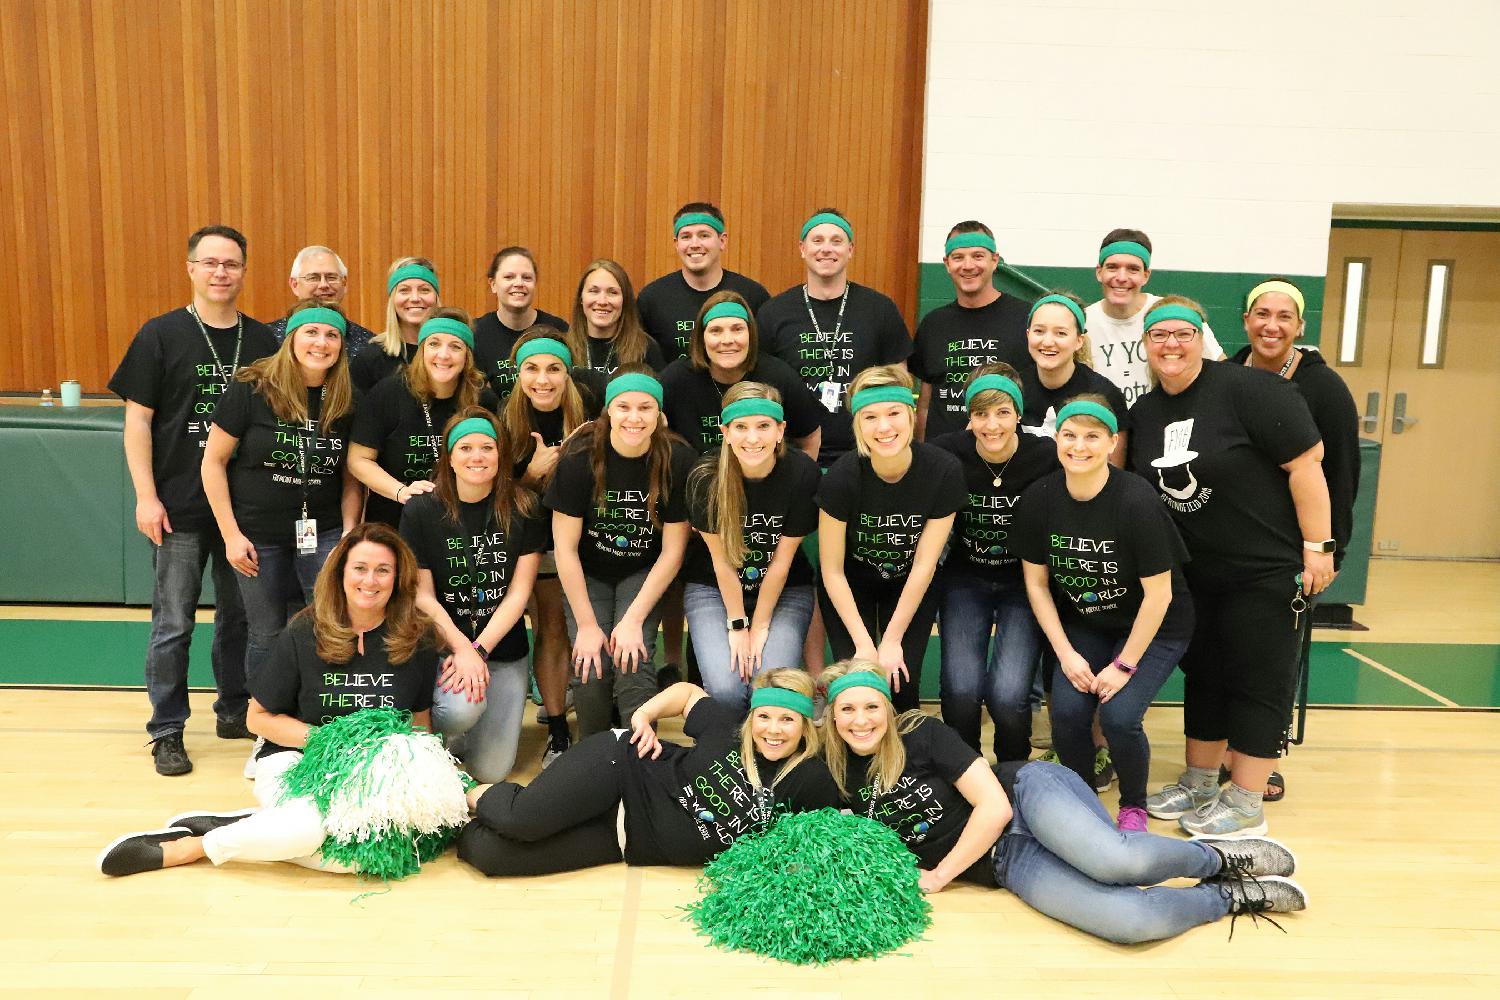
<point x="1255" y="856"/>
<point x="1176" y="800"/>
<point x="1221" y="818"/>
<point x="1271" y="894"/>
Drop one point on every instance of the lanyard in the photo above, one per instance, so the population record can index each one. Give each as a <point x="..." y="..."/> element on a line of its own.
<point x="239" y="335"/>
<point x="874" y="797"/>
<point x="431" y="434"/>
<point x="838" y="324"/>
<point x="302" y="462"/>
<point x="471" y="556"/>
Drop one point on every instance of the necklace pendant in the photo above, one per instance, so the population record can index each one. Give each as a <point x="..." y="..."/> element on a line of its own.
<point x="997" y="482"/>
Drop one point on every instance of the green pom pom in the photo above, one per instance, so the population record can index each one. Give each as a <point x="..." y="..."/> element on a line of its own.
<point x="814" y="888"/>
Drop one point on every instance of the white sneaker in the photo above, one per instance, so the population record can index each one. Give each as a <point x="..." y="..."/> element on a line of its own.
<point x="250" y="762"/>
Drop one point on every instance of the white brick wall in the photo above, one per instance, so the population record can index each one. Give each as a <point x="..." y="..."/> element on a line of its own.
<point x="1225" y="131"/>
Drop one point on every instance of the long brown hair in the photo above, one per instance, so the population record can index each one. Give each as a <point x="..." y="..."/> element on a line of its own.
<point x="278" y="378"/>
<point x="725" y="480"/>
<point x="518" y="407"/>
<point x="390" y="338"/>
<point x="594" y="438"/>
<point x="405" y="626"/>
<point x="889" y="758"/>
<point x="630" y="340"/>
<point x="792" y="679"/>
<point x="698" y="354"/>
<point x="471" y="381"/>
<point x="506" y="496"/>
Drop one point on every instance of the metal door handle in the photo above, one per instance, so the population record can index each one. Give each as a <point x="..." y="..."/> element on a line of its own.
<point x="1370" y="422"/>
<point x="1399" y="420"/>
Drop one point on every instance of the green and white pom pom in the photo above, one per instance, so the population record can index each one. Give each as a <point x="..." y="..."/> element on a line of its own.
<point x="391" y="798"/>
<point x="814" y="888"/>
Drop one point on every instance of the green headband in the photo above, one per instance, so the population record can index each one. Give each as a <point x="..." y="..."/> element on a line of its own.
<point x="998" y="382"/>
<point x="961" y="240"/>
<point x="1173" y="311"/>
<point x="822" y="217"/>
<point x="782" y="698"/>
<point x="411" y="271"/>
<point x="697" y="219"/>
<point x="471" y="425"/>
<point x="722" y="309"/>
<point x="751" y="407"/>
<point x="882" y="394"/>
<point x="1061" y="300"/>
<point x="858" y="679"/>
<point x="1125" y="246"/>
<point x="1089" y="408"/>
<point x="443" y="324"/>
<point x="632" y="382"/>
<point x="544" y="345"/>
<point x="1286" y="288"/>
<point x="318" y="314"/>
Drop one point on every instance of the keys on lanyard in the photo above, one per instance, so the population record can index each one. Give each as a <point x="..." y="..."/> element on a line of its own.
<point x="1298" y="606"/>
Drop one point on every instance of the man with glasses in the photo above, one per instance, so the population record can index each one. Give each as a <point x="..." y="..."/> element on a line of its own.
<point x="319" y="273"/>
<point x="171" y="378"/>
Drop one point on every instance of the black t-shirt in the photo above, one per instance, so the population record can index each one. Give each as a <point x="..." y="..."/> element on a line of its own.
<point x="872" y="333"/>
<point x="882" y="521"/>
<point x="1096" y="551"/>
<point x="1043" y="403"/>
<point x="293" y="681"/>
<point x="620" y="539"/>
<point x="371" y="365"/>
<point x="981" y="533"/>
<point x="451" y="550"/>
<point x="669" y="801"/>
<point x="1215" y="452"/>
<point x="926" y="809"/>
<point x="267" y="481"/>
<point x="692" y="400"/>
<point x="669" y="307"/>
<point x="780" y="504"/>
<point x="603" y="360"/>
<point x="953" y="340"/>
<point x="169" y="368"/>
<point x="493" y="342"/>
<point x="404" y="435"/>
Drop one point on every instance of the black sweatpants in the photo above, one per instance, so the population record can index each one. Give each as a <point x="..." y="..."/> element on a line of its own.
<point x="563" y="821"/>
<point x="875" y="609"/>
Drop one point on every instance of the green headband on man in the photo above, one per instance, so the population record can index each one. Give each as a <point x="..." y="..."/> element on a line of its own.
<point x="959" y="241"/>
<point x="1062" y="300"/>
<point x="1089" y="408"/>
<point x="1125" y="246"/>
<point x="632" y="382"/>
<point x="544" y="345"/>
<point x="999" y="383"/>
<point x="1174" y="311"/>
<point x="858" y="679"/>
<point x="318" y="314"/>
<point x="829" y="217"/>
<point x="697" y="219"/>
<point x="1286" y="288"/>
<point x="779" y="697"/>
<point x="471" y="425"/>
<point x="882" y="394"/>
<point x="448" y="325"/>
<point x="409" y="271"/>
<point x="754" y="406"/>
<point x="722" y="309"/>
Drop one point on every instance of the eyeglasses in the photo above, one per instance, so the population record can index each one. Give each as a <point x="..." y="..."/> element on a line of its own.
<point x="209" y="264"/>
<point x="331" y="278"/>
<point x="1179" y="336"/>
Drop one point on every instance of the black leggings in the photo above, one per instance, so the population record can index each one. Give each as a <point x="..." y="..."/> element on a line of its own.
<point x="563" y="821"/>
<point x="875" y="609"/>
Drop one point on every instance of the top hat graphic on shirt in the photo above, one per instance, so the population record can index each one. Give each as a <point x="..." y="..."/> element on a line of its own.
<point x="1173" y="473"/>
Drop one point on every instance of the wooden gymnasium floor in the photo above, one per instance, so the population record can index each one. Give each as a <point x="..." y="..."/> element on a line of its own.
<point x="1391" y="812"/>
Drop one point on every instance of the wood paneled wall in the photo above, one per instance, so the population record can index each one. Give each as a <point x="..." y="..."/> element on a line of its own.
<point x="447" y="128"/>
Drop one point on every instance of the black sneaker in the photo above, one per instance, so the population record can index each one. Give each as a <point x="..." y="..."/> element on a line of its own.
<point x="233" y="729"/>
<point x="198" y="823"/>
<point x="137" y="852"/>
<point x="557" y="746"/>
<point x="170" y="755"/>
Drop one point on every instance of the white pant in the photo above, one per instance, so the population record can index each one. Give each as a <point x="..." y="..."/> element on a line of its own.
<point x="291" y="831"/>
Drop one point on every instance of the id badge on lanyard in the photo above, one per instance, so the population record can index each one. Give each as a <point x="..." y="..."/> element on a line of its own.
<point x="306" y="530"/>
<point x="829" y="394"/>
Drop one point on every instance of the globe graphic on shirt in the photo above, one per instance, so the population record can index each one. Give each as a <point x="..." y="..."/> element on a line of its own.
<point x="997" y="550"/>
<point x="751" y="573"/>
<point x="621" y="541"/>
<point x="1089" y="597"/>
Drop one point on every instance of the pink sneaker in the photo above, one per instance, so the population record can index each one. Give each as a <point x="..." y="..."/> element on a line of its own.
<point x="1132" y="818"/>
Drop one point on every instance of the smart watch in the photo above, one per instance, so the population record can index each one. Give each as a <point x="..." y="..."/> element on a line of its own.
<point x="1327" y="545"/>
<point x="737" y="624"/>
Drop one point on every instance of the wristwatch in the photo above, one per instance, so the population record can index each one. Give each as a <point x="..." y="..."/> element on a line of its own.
<point x="1120" y="664"/>
<point x="482" y="651"/>
<point x="737" y="624"/>
<point x="1327" y="545"/>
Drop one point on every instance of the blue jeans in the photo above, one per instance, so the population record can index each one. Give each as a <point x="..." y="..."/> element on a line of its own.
<point x="1064" y="857"/>
<point x="706" y="615"/>
<point x="490" y="728"/>
<point x="977" y="672"/>
<point x="179" y="562"/>
<point x="1120" y="717"/>
<point x="285" y="579"/>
